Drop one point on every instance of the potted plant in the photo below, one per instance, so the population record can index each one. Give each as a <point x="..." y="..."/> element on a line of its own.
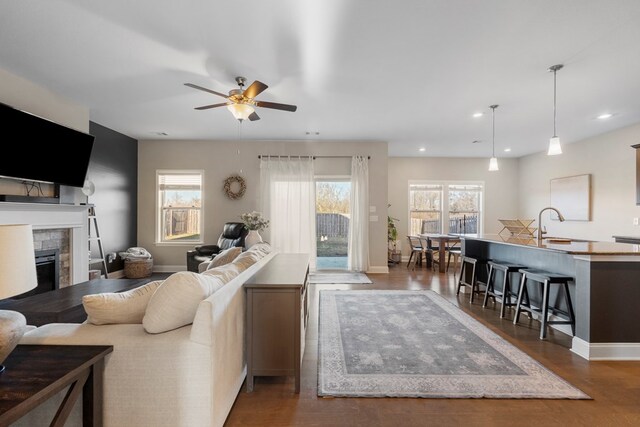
<point x="255" y="222"/>
<point x="392" y="239"/>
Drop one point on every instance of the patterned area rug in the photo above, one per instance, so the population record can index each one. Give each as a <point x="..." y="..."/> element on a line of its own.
<point x="346" y="278"/>
<point x="417" y="344"/>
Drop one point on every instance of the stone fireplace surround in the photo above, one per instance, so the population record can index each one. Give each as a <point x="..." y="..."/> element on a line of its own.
<point x="51" y="223"/>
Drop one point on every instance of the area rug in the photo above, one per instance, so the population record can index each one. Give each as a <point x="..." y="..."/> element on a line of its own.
<point x="417" y="344"/>
<point x="346" y="278"/>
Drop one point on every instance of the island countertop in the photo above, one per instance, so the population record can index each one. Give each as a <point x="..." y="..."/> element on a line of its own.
<point x="571" y="246"/>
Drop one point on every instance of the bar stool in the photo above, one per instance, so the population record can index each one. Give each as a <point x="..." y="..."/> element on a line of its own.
<point x="506" y="293"/>
<point x="473" y="263"/>
<point x="545" y="279"/>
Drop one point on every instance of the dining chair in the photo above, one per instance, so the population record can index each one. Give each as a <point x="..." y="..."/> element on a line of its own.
<point x="417" y="251"/>
<point x="454" y="250"/>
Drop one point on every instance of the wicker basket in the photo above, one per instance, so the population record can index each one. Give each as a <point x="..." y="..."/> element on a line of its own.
<point x="138" y="268"/>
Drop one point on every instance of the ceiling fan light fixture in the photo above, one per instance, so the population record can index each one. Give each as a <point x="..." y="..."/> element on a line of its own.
<point x="240" y="111"/>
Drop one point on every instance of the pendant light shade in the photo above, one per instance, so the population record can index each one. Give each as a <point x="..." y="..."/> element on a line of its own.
<point x="493" y="162"/>
<point x="240" y="111"/>
<point x="554" y="142"/>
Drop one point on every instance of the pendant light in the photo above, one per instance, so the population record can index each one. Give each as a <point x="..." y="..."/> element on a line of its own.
<point x="554" y="142"/>
<point x="493" y="162"/>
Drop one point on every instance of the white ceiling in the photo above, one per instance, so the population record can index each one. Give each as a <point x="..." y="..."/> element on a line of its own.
<point x="411" y="72"/>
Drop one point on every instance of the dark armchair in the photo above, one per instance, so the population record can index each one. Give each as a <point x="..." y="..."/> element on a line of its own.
<point x="233" y="235"/>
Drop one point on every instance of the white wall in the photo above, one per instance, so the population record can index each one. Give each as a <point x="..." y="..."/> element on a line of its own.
<point x="219" y="159"/>
<point x="610" y="160"/>
<point x="20" y="93"/>
<point x="500" y="198"/>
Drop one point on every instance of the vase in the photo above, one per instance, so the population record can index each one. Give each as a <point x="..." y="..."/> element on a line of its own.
<point x="252" y="238"/>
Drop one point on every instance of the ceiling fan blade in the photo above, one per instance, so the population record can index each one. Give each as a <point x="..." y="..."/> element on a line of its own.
<point x="253" y="117"/>
<point x="255" y="89"/>
<point x="206" y="107"/>
<point x="276" y="106"/>
<point x="205" y="89"/>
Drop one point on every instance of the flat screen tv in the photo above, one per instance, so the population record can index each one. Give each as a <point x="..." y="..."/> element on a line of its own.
<point x="42" y="150"/>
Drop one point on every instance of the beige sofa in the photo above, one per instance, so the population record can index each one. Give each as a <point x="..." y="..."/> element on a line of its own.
<point x="189" y="376"/>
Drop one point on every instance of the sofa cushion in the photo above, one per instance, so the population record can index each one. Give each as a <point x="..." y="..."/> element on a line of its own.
<point x="120" y="307"/>
<point x="176" y="300"/>
<point x="225" y="257"/>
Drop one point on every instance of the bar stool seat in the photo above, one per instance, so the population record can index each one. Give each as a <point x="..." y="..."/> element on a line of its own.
<point x="506" y="293"/>
<point x="545" y="279"/>
<point x="473" y="263"/>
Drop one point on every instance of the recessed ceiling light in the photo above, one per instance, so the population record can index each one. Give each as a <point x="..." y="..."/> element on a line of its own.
<point x="605" y="116"/>
<point x="506" y="150"/>
<point x="422" y="149"/>
<point x="478" y="115"/>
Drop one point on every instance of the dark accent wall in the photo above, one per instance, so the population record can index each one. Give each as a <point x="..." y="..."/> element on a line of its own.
<point x="114" y="171"/>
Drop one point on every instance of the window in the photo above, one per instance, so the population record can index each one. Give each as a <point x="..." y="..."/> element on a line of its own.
<point x="464" y="207"/>
<point x="179" y="207"/>
<point x="445" y="207"/>
<point x="425" y="208"/>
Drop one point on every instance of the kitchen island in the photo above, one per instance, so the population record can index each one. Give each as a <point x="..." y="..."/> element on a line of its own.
<point x="605" y="293"/>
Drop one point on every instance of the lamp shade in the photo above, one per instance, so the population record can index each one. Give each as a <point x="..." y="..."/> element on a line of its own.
<point x="17" y="260"/>
<point x="240" y="111"/>
<point x="493" y="164"/>
<point x="554" y="146"/>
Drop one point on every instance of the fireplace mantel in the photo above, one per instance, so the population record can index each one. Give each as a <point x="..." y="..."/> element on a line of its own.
<point x="44" y="216"/>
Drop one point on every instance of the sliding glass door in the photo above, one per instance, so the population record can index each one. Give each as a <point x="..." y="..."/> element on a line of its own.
<point x="332" y="222"/>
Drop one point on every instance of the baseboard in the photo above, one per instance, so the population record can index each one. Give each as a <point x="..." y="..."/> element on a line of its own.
<point x="605" y="351"/>
<point x="169" y="268"/>
<point x="378" y="269"/>
<point x="118" y="274"/>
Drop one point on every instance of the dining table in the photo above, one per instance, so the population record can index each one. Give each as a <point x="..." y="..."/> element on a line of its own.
<point x="443" y="241"/>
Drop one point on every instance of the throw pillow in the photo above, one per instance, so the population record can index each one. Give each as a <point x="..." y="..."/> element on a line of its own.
<point x="120" y="307"/>
<point x="175" y="302"/>
<point x="225" y="272"/>
<point x="225" y="257"/>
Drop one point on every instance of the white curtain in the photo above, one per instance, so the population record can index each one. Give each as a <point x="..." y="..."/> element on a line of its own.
<point x="288" y="200"/>
<point x="358" y="259"/>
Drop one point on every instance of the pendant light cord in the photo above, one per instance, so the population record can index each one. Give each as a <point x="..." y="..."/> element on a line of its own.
<point x="554" y="102"/>
<point x="493" y="138"/>
<point x="493" y="129"/>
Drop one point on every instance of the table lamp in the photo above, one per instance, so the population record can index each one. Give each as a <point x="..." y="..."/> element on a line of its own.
<point x="17" y="276"/>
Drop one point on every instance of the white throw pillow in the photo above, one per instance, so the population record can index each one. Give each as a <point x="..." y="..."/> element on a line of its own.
<point x="175" y="302"/>
<point x="225" y="257"/>
<point x="119" y="307"/>
<point x="225" y="272"/>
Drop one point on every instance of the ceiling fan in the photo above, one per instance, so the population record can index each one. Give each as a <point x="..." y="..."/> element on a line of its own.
<point x="240" y="102"/>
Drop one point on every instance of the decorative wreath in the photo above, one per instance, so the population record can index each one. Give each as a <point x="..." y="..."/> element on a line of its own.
<point x="234" y="195"/>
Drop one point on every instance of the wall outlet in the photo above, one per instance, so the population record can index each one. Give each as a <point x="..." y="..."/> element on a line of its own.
<point x="635" y="221"/>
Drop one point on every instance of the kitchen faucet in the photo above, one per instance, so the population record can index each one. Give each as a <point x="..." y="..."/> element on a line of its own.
<point x="540" y="232"/>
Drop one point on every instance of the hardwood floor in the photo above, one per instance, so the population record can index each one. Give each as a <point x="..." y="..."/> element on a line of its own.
<point x="614" y="386"/>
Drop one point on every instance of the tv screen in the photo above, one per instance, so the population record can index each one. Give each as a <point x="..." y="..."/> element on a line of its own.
<point x="42" y="150"/>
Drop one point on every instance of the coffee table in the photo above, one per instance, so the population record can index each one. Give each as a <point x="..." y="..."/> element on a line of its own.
<point x="65" y="305"/>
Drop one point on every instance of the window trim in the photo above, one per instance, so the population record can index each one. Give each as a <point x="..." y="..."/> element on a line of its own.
<point x="158" y="209"/>
<point x="444" y="205"/>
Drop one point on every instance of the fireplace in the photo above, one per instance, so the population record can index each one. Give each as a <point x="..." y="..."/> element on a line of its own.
<point x="48" y="272"/>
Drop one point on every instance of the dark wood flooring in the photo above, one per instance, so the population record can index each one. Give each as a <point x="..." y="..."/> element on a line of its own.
<point x="614" y="386"/>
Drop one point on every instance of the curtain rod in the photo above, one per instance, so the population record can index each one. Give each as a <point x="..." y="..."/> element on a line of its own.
<point x="315" y="157"/>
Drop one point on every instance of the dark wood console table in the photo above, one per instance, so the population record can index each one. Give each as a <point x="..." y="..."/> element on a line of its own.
<point x="65" y="305"/>
<point x="36" y="372"/>
<point x="277" y="315"/>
